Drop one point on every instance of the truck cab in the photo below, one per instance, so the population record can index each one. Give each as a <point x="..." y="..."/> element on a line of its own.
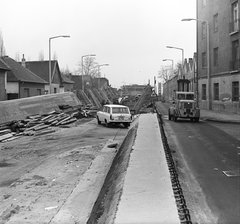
<point x="184" y="105"/>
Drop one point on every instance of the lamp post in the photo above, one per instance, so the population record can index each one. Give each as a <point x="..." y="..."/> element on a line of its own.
<point x="169" y="60"/>
<point x="208" y="61"/>
<point x="50" y="69"/>
<point x="99" y="74"/>
<point x="87" y="55"/>
<point x="178" y="49"/>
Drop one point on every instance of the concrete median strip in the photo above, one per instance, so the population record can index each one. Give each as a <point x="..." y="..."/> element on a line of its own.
<point x="78" y="206"/>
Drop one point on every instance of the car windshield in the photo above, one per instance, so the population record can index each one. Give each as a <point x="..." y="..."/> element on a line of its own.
<point x="119" y="110"/>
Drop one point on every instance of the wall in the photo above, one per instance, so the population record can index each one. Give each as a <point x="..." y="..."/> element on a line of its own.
<point x="168" y="89"/>
<point x="225" y="102"/>
<point x="2" y="85"/>
<point x="33" y="87"/>
<point x="21" y="108"/>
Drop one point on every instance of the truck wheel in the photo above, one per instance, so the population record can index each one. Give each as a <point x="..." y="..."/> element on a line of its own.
<point x="169" y="116"/>
<point x="174" y="117"/>
<point x="197" y="119"/>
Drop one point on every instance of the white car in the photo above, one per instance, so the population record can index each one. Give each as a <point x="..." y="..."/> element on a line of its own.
<point x="114" y="114"/>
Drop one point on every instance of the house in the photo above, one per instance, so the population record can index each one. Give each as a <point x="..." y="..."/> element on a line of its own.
<point x="3" y="79"/>
<point x="41" y="69"/>
<point x="21" y="82"/>
<point x="218" y="55"/>
<point x="67" y="83"/>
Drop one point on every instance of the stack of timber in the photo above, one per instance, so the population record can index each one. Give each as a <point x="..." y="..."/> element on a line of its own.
<point x="42" y="124"/>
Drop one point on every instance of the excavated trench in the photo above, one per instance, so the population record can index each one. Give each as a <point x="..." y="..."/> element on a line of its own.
<point x="105" y="207"/>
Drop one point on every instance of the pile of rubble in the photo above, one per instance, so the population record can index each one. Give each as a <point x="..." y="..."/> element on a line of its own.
<point x="41" y="124"/>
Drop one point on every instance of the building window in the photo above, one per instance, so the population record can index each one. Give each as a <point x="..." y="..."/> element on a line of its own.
<point x="235" y="55"/>
<point x="204" y="3"/>
<point x="216" y="91"/>
<point x="235" y="91"/>
<point x="204" y="92"/>
<point x="215" y="56"/>
<point x="204" y="30"/>
<point x="215" y="22"/>
<point x="204" y="60"/>
<point x="26" y="92"/>
<point x="235" y="16"/>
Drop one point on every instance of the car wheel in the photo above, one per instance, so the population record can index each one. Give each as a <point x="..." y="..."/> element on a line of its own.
<point x="106" y="123"/>
<point x="126" y="125"/>
<point x="98" y="121"/>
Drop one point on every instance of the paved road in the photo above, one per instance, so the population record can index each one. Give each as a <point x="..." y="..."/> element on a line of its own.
<point x="203" y="152"/>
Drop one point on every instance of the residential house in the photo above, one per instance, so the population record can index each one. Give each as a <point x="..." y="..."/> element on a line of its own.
<point x="21" y="82"/>
<point x="3" y="80"/>
<point x="41" y="69"/>
<point x="218" y="37"/>
<point x="67" y="83"/>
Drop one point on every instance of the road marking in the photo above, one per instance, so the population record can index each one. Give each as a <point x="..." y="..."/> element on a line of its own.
<point x="232" y="173"/>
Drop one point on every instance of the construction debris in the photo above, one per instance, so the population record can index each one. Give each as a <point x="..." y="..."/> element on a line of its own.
<point x="41" y="124"/>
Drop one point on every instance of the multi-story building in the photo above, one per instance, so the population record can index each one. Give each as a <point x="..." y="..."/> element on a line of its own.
<point x="218" y="56"/>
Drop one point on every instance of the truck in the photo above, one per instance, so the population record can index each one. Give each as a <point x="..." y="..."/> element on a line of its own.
<point x="184" y="104"/>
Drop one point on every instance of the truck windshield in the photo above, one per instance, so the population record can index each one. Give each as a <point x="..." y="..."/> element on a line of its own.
<point x="189" y="96"/>
<point x="181" y="96"/>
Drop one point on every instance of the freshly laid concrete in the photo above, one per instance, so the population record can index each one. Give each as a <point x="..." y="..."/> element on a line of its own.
<point x="147" y="193"/>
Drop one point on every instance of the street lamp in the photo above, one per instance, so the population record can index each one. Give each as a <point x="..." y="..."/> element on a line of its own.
<point x="169" y="60"/>
<point x="178" y="49"/>
<point x="208" y="61"/>
<point x="99" y="73"/>
<point x="50" y="69"/>
<point x="87" y="55"/>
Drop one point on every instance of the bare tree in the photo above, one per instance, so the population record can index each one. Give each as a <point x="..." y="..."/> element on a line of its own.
<point x="165" y="72"/>
<point x="17" y="56"/>
<point x="55" y="56"/>
<point x="41" y="56"/>
<point x="2" y="48"/>
<point x="90" y="67"/>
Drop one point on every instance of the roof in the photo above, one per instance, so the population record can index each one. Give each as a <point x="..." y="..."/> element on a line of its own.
<point x="65" y="79"/>
<point x="3" y="65"/>
<point x="20" y="73"/>
<point x="41" y="68"/>
<point x="115" y="105"/>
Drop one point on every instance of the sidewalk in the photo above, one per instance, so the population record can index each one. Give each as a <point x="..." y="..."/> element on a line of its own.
<point x="217" y="116"/>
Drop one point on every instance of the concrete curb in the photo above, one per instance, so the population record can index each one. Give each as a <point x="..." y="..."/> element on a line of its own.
<point x="79" y="204"/>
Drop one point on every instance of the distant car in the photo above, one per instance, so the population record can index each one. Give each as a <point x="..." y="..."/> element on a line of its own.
<point x="114" y="114"/>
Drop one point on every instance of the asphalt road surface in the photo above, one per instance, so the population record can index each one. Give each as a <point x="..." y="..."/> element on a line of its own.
<point x="207" y="156"/>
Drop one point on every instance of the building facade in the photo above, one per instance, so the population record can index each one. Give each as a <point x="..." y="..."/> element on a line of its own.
<point x="218" y="56"/>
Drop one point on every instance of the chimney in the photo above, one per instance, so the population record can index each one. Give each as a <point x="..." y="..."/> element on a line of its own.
<point x="23" y="61"/>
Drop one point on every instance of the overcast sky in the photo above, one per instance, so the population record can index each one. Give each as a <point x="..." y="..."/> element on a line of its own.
<point x="129" y="35"/>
